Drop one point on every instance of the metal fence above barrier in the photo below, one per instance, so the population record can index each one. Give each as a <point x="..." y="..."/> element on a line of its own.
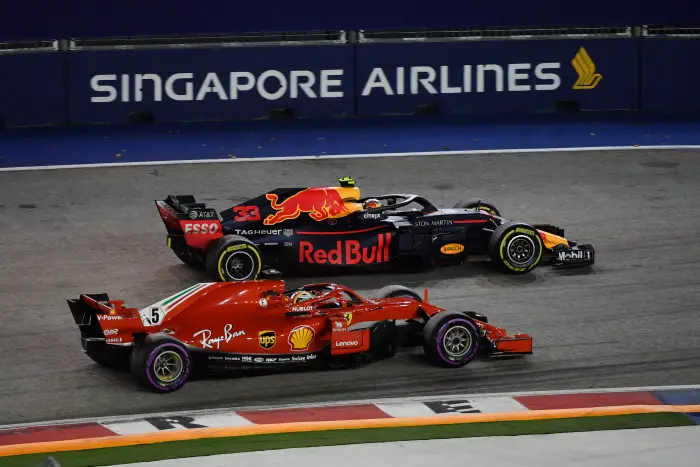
<point x="320" y="38"/>
<point x="238" y="40"/>
<point x="666" y="31"/>
<point x="28" y="46"/>
<point x="428" y="35"/>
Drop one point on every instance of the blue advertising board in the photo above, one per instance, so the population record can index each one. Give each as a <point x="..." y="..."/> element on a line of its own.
<point x="335" y="80"/>
<point x="32" y="89"/>
<point x="497" y="76"/>
<point x="87" y="18"/>
<point x="669" y="75"/>
<point x="211" y="84"/>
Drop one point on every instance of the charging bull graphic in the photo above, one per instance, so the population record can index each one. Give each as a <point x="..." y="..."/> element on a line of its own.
<point x="319" y="203"/>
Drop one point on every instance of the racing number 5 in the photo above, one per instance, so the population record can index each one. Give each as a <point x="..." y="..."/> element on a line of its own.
<point x="246" y="213"/>
<point x="155" y="316"/>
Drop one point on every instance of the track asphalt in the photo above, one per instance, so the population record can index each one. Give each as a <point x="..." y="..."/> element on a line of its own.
<point x="630" y="321"/>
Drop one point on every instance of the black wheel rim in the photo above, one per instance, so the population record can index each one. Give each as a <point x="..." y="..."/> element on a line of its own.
<point x="521" y="250"/>
<point x="239" y="265"/>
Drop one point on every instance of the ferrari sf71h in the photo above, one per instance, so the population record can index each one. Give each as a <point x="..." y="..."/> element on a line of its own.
<point x="290" y="230"/>
<point x="235" y="325"/>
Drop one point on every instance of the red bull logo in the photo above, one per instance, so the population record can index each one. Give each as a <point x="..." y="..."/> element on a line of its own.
<point x="347" y="252"/>
<point x="319" y="203"/>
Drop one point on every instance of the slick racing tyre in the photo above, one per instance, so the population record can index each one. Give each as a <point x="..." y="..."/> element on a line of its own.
<point x="193" y="259"/>
<point x="483" y="205"/>
<point x="114" y="359"/>
<point x="450" y="340"/>
<point x="234" y="259"/>
<point x="160" y="364"/>
<point x="391" y="291"/>
<point x="516" y="248"/>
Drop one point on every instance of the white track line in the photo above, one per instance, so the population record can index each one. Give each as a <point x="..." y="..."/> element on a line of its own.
<point x="127" y="418"/>
<point x="343" y="156"/>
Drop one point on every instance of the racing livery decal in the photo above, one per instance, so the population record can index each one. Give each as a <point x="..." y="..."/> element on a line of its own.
<point x="153" y="315"/>
<point x="300" y="338"/>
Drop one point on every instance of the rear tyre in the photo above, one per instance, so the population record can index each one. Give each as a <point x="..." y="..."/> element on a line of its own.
<point x="112" y="360"/>
<point x="234" y="259"/>
<point x="450" y="340"/>
<point x="392" y="291"/>
<point x="193" y="259"/>
<point x="516" y="248"/>
<point x="483" y="205"/>
<point x="161" y="365"/>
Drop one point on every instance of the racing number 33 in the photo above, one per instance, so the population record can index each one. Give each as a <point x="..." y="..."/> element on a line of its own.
<point x="246" y="213"/>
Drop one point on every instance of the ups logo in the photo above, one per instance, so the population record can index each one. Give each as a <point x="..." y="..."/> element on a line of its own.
<point x="267" y="339"/>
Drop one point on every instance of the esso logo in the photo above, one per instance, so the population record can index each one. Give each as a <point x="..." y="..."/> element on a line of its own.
<point x="201" y="228"/>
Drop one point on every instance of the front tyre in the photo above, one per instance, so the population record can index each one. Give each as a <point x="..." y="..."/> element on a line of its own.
<point x="398" y="291"/>
<point x="480" y="204"/>
<point x="234" y="259"/>
<point x="162" y="366"/>
<point x="516" y="248"/>
<point x="450" y="340"/>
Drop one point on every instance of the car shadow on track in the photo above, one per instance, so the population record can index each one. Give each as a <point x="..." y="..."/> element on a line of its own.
<point x="367" y="280"/>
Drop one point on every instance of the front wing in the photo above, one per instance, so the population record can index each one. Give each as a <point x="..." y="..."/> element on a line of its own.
<point x="499" y="342"/>
<point x="571" y="256"/>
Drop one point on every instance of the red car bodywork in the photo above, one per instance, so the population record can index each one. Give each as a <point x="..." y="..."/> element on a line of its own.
<point x="256" y="323"/>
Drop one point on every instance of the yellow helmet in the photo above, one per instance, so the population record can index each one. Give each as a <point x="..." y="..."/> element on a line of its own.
<point x="301" y="296"/>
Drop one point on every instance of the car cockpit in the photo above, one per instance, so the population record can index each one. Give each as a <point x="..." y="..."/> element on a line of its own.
<point x="322" y="297"/>
<point x="389" y="205"/>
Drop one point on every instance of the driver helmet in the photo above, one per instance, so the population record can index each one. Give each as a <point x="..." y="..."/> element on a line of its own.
<point x="372" y="203"/>
<point x="301" y="296"/>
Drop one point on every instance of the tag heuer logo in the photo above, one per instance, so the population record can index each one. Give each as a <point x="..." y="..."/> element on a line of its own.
<point x="267" y="339"/>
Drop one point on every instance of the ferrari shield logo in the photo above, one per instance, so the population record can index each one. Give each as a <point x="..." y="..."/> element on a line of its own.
<point x="267" y="339"/>
<point x="348" y="318"/>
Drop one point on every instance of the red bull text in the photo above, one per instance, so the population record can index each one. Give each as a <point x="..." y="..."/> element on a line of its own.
<point x="319" y="203"/>
<point x="347" y="252"/>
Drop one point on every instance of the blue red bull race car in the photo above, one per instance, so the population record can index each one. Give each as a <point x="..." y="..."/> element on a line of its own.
<point x="333" y="229"/>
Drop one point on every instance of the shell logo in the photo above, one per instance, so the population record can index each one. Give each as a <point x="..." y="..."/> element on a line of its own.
<point x="301" y="337"/>
<point x="452" y="249"/>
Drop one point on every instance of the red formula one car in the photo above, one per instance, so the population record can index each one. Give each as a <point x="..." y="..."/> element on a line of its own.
<point x="227" y="325"/>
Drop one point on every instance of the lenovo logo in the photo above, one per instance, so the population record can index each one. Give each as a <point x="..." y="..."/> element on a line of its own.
<point x="347" y="252"/>
<point x="346" y="343"/>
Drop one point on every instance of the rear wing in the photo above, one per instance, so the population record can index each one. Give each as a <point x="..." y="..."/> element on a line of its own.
<point x="96" y="315"/>
<point x="183" y="207"/>
<point x="183" y="215"/>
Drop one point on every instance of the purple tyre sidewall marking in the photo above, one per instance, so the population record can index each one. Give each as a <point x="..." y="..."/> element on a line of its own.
<point x="441" y="334"/>
<point x="185" y="370"/>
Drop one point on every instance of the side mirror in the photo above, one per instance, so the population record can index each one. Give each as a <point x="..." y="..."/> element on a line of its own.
<point x="271" y="300"/>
